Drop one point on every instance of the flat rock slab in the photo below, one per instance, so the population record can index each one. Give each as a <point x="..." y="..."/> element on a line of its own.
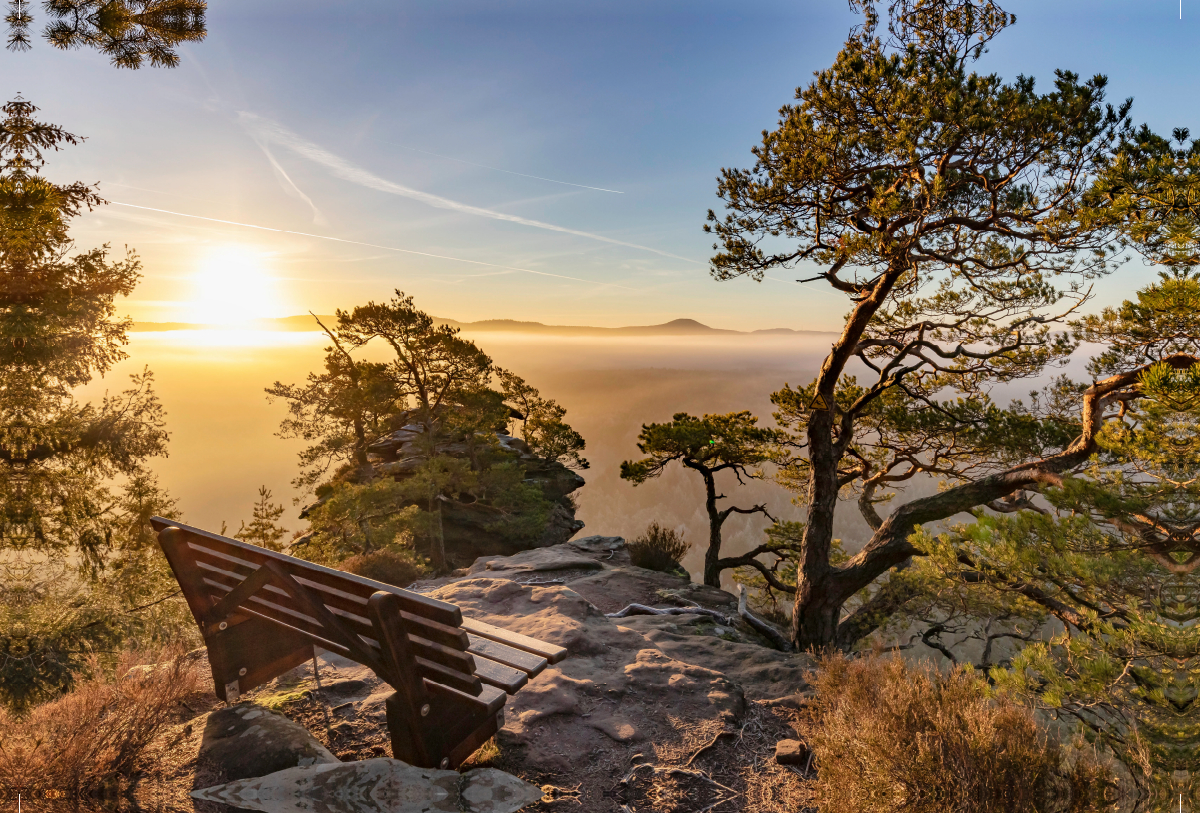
<point x="537" y="560"/>
<point x="764" y="674"/>
<point x="376" y="786"/>
<point x="598" y="544"/>
<point x="246" y="740"/>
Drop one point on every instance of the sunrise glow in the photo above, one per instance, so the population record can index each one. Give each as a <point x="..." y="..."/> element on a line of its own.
<point x="231" y="287"/>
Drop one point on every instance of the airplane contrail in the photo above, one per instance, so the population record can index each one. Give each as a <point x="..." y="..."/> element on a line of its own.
<point x="373" y="245"/>
<point x="355" y="174"/>
<point x="509" y="171"/>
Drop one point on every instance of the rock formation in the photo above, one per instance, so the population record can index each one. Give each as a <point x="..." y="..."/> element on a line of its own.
<point x="466" y="521"/>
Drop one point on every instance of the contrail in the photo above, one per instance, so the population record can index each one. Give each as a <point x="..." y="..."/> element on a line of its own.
<point x="509" y="171"/>
<point x="374" y="245"/>
<point x="289" y="186"/>
<point x="355" y="174"/>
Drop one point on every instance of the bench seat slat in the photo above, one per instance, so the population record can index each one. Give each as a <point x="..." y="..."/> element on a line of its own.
<point x="468" y="684"/>
<point x="499" y="675"/>
<point x="550" y="652"/>
<point x="450" y="658"/>
<point x="489" y="700"/>
<point x="527" y="662"/>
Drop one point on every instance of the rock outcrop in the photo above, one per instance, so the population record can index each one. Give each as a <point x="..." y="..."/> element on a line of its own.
<point x="247" y="740"/>
<point x="468" y="525"/>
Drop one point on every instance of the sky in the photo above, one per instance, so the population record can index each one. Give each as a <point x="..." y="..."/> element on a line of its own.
<point x="543" y="160"/>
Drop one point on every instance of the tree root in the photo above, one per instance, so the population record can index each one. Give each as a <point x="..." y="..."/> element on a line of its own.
<point x="704" y="748"/>
<point x="642" y="609"/>
<point x="728" y="795"/>
<point x="773" y="635"/>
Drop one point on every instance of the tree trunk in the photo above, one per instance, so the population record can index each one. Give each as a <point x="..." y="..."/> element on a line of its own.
<point x="712" y="569"/>
<point x="815" y="613"/>
<point x="364" y="525"/>
<point x="437" y="551"/>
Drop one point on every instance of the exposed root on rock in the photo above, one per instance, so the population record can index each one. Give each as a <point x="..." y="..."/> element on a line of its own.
<point x="642" y="609"/>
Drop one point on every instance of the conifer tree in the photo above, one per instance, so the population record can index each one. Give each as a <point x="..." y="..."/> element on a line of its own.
<point x="948" y="206"/>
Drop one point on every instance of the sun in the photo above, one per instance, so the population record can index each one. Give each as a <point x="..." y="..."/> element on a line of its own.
<point x="231" y="287"/>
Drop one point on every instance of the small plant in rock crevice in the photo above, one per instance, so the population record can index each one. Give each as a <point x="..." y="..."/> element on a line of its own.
<point x="658" y="548"/>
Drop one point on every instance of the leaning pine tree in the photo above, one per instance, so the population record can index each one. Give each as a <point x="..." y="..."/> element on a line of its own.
<point x="948" y="207"/>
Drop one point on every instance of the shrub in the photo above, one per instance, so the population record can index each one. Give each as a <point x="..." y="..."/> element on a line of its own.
<point x="84" y="742"/>
<point x="888" y="735"/>
<point x="384" y="566"/>
<point x="658" y="548"/>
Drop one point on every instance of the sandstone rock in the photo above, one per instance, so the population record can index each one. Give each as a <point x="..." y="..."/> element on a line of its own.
<point x="561" y="525"/>
<point x="598" y="544"/>
<point x="376" y="786"/>
<point x="247" y="740"/>
<point x="791" y="752"/>
<point x="615" y="688"/>
<point x="532" y="561"/>
<point x="764" y="674"/>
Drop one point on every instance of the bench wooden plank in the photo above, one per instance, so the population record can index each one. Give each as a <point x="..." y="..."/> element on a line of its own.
<point x="467" y="683"/>
<point x="446" y="656"/>
<point x="527" y="662"/>
<point x="550" y="652"/>
<point x="452" y="637"/>
<point x="499" y="675"/>
<point x="415" y="603"/>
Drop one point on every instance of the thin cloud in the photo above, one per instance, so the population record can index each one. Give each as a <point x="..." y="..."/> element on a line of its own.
<point x="374" y="245"/>
<point x="347" y="171"/>
<point x="289" y="186"/>
<point x="508" y="171"/>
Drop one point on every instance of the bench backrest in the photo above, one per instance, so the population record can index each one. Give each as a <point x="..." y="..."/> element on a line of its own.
<point x="230" y="584"/>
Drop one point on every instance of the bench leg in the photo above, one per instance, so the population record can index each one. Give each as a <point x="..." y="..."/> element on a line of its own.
<point x="443" y="738"/>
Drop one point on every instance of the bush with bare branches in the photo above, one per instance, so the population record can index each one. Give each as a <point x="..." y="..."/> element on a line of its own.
<point x="889" y="735"/>
<point x="658" y="548"/>
<point x="89" y="740"/>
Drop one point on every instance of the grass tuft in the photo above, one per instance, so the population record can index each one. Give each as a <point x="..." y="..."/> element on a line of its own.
<point x="658" y="548"/>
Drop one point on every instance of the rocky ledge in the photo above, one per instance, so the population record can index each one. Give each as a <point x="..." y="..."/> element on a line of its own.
<point x="467" y="524"/>
<point x="649" y="712"/>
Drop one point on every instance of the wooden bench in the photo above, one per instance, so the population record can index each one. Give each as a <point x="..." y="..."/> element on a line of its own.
<point x="261" y="613"/>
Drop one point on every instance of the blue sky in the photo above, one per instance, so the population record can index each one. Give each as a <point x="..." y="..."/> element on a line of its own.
<point x="368" y="122"/>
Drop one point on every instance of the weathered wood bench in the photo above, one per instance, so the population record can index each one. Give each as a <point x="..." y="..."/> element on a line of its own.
<point x="261" y="613"/>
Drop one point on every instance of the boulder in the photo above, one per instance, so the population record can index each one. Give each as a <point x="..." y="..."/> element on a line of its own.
<point x="791" y="752"/>
<point x="246" y="740"/>
<point x="376" y="786"/>
<point x="598" y="544"/>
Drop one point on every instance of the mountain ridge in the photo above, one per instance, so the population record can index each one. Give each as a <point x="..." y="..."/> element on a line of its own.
<point x="676" y="327"/>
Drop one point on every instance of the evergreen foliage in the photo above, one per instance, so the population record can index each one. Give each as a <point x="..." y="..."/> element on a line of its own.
<point x="708" y="445"/>
<point x="440" y="386"/>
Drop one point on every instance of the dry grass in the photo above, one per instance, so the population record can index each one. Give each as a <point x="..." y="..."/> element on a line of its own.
<point x="657" y="548"/>
<point x="88" y="742"/>
<point x="383" y="566"/>
<point x="888" y="735"/>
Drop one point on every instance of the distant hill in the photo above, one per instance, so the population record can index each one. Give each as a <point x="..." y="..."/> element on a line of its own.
<point x="676" y="327"/>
